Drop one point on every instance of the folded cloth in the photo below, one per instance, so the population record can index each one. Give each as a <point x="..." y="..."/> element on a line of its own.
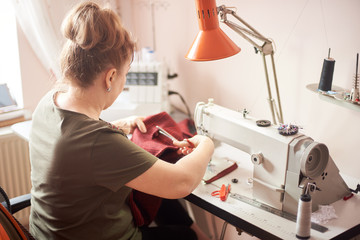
<point x="145" y="206"/>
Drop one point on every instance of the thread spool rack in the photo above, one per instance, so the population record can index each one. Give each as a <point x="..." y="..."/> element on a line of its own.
<point x="336" y="96"/>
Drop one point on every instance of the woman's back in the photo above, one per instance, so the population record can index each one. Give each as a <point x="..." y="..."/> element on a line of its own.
<point x="78" y="186"/>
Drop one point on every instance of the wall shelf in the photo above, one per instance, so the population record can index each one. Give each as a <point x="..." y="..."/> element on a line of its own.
<point x="336" y="96"/>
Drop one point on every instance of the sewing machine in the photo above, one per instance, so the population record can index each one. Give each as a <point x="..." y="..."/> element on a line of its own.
<point x="282" y="164"/>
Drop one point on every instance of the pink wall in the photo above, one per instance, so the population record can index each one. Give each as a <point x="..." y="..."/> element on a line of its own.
<point x="35" y="79"/>
<point x="302" y="31"/>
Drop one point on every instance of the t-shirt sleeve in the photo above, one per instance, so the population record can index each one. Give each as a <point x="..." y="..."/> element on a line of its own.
<point x="117" y="160"/>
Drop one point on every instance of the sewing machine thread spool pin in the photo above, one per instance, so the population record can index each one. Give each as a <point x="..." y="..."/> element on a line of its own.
<point x="355" y="93"/>
<point x="245" y="112"/>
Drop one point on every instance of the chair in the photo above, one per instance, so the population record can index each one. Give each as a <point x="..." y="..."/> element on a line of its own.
<point x="10" y="228"/>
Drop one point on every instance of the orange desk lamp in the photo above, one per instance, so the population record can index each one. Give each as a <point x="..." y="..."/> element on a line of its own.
<point x="212" y="43"/>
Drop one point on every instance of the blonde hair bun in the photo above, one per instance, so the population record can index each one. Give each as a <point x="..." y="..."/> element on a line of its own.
<point x="89" y="26"/>
<point x="96" y="41"/>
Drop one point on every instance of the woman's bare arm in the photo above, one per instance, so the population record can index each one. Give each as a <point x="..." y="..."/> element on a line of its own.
<point x="177" y="180"/>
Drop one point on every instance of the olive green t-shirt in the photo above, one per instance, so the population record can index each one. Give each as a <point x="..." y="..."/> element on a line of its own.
<point x="79" y="168"/>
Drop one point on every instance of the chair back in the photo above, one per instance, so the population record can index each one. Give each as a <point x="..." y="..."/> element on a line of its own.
<point x="10" y="228"/>
<point x="4" y="200"/>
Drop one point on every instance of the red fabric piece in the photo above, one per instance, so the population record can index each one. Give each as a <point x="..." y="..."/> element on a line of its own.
<point x="222" y="173"/>
<point x="144" y="206"/>
<point x="137" y="216"/>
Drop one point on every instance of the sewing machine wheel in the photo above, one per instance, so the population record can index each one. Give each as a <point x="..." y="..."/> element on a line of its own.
<point x="314" y="160"/>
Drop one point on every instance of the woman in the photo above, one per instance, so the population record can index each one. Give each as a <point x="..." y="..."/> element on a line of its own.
<point x="83" y="169"/>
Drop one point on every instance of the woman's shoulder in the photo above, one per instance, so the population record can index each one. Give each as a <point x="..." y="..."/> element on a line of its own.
<point x="77" y="122"/>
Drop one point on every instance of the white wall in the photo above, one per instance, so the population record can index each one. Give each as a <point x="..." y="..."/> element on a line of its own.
<point x="302" y="30"/>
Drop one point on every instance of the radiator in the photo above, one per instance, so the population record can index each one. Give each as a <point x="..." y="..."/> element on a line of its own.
<point x="15" y="169"/>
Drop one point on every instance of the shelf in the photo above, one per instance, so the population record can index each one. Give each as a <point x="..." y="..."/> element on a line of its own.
<point x="335" y="96"/>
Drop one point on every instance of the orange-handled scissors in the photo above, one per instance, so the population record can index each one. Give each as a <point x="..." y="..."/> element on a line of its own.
<point x="165" y="133"/>
<point x="223" y="192"/>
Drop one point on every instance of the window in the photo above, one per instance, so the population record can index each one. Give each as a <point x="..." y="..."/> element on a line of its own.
<point x="9" y="52"/>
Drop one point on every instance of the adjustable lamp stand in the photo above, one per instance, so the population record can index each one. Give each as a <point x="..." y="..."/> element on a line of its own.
<point x="211" y="43"/>
<point x="265" y="49"/>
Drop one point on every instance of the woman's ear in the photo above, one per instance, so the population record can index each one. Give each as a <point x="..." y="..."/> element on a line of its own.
<point x="109" y="77"/>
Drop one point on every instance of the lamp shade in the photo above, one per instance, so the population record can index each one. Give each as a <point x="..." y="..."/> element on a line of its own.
<point x="211" y="42"/>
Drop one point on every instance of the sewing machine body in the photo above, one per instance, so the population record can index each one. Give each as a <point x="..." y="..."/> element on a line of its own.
<point x="283" y="165"/>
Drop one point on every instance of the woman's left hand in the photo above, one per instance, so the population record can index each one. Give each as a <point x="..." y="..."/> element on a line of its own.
<point x="129" y="124"/>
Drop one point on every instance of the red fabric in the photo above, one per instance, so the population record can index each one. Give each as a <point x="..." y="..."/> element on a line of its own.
<point x="144" y="206"/>
<point x="156" y="143"/>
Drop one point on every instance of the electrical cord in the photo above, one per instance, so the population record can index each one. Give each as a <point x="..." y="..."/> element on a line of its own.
<point x="170" y="92"/>
<point x="356" y="190"/>
<point x="191" y="125"/>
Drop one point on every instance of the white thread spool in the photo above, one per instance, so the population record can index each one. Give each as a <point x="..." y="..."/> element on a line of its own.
<point x="303" y="220"/>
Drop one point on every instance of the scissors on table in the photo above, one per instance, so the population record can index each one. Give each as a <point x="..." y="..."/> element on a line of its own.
<point x="223" y="192"/>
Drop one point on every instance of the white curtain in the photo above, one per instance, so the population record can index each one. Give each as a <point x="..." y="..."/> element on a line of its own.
<point x="35" y="21"/>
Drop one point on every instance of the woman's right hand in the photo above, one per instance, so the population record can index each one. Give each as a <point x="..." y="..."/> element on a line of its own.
<point x="177" y="180"/>
<point x="186" y="146"/>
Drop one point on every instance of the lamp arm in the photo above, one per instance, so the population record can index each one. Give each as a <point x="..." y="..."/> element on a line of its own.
<point x="241" y="31"/>
<point x="265" y="49"/>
